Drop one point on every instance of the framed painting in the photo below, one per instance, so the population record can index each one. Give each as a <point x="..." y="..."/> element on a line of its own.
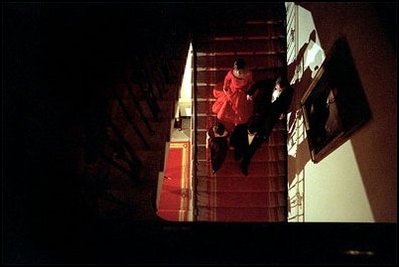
<point x="335" y="105"/>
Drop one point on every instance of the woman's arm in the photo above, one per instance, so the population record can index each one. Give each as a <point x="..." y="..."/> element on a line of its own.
<point x="227" y="82"/>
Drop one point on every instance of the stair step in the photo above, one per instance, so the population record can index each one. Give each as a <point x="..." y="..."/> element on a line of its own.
<point x="264" y="153"/>
<point x="276" y="138"/>
<point x="272" y="141"/>
<point x="240" y="28"/>
<point x="204" y="92"/>
<point x="226" y="69"/>
<point x="253" y="61"/>
<point x="241" y="53"/>
<point x="204" y="122"/>
<point x="232" y="45"/>
<point x="256" y="169"/>
<point x="218" y="76"/>
<point x="205" y="107"/>
<point x="241" y="199"/>
<point x="201" y="137"/>
<point x="249" y="214"/>
<point x="251" y="184"/>
<point x="275" y="153"/>
<point x="244" y="38"/>
<point x="246" y="11"/>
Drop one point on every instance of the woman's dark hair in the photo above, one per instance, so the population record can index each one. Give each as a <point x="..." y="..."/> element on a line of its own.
<point x="219" y="128"/>
<point x="282" y="81"/>
<point x="240" y="63"/>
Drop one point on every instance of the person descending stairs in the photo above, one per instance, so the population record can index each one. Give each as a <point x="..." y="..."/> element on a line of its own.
<point x="228" y="195"/>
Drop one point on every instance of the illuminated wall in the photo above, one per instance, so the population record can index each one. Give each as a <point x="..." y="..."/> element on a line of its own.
<point x="185" y="90"/>
<point x="357" y="181"/>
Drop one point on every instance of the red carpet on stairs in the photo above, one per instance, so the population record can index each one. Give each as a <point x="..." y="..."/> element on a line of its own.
<point x="175" y="192"/>
<point x="228" y="195"/>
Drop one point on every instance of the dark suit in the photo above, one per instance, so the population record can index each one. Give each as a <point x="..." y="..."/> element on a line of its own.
<point x="218" y="146"/>
<point x="242" y="149"/>
<point x="269" y="112"/>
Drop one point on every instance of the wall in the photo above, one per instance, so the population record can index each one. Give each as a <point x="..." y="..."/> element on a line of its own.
<point x="357" y="181"/>
<point x="185" y="90"/>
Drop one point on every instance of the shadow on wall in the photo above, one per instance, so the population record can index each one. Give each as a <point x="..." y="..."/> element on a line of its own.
<point x="300" y="70"/>
<point x="369" y="32"/>
<point x="335" y="105"/>
<point x="362" y="27"/>
<point x="301" y="155"/>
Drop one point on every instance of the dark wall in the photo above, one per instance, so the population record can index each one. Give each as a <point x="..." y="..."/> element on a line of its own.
<point x="59" y="61"/>
<point x="368" y="28"/>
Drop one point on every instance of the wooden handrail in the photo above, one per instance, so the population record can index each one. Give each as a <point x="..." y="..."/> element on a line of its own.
<point x="194" y="108"/>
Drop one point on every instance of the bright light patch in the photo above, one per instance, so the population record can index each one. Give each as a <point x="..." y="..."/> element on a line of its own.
<point x="185" y="90"/>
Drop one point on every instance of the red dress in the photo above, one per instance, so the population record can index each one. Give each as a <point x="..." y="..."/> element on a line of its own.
<point x="233" y="107"/>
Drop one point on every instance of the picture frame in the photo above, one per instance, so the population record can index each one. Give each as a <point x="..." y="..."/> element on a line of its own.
<point x="335" y="105"/>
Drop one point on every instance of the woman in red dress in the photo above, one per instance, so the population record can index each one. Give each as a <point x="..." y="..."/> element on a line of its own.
<point x="232" y="106"/>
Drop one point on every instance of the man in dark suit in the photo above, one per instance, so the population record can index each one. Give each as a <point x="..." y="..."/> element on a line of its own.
<point x="272" y="100"/>
<point x="246" y="139"/>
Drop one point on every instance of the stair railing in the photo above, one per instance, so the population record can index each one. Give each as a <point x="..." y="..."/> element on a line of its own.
<point x="194" y="144"/>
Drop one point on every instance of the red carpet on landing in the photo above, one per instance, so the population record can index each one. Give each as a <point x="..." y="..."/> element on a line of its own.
<point x="175" y="194"/>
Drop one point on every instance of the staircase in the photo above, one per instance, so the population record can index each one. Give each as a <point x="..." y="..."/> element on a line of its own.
<point x="228" y="195"/>
<point x="140" y="117"/>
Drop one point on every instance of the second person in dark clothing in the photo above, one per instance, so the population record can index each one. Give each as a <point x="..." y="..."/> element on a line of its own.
<point x="272" y="100"/>
<point x="246" y="139"/>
